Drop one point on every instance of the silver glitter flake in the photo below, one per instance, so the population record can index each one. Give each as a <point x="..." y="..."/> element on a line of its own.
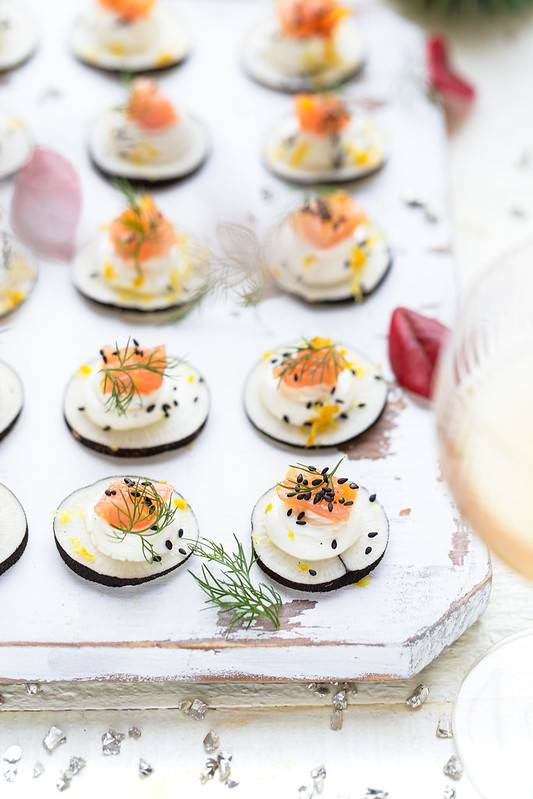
<point x="145" y="769"/>
<point x="135" y="733"/>
<point x="111" y="741"/>
<point x="13" y="754"/>
<point x="444" y="729"/>
<point x="63" y="782"/>
<point x="318" y="690"/>
<point x="38" y="769"/>
<point x="305" y="792"/>
<point x="10" y="773"/>
<point x="198" y="709"/>
<point x="340" y="701"/>
<point x="318" y="775"/>
<point x="184" y="705"/>
<point x="376" y="793"/>
<point x="53" y="738"/>
<point x="337" y="719"/>
<point x="231" y="783"/>
<point x="210" y="769"/>
<point x="211" y="742"/>
<point x="453" y="768"/>
<point x="418" y="697"/>
<point x="76" y="764"/>
<point x="32" y="688"/>
<point x="449" y="792"/>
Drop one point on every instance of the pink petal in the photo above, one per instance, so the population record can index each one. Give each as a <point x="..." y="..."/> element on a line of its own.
<point x="415" y="343"/>
<point x="442" y="76"/>
<point x="46" y="204"/>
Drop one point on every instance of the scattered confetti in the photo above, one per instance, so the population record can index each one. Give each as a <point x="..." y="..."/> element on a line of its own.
<point x="10" y="772"/>
<point x="135" y="733"/>
<point x="337" y="719"/>
<point x="444" y="729"/>
<point x="376" y="793"/>
<point x="453" y="768"/>
<point x="145" y="769"/>
<point x="418" y="697"/>
<point x="449" y="792"/>
<point x="211" y="742"/>
<point x="38" y="769"/>
<point x="13" y="754"/>
<point x="197" y="709"/>
<point x="111" y="741"/>
<point x="53" y="738"/>
<point x="32" y="688"/>
<point x="318" y="775"/>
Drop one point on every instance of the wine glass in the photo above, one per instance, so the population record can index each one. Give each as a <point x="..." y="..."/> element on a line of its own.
<point x="484" y="407"/>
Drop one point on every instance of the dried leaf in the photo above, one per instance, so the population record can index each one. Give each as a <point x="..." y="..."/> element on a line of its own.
<point x="415" y="342"/>
<point x="46" y="204"/>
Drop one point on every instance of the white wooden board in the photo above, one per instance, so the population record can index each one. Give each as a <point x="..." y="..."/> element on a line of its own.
<point x="434" y="580"/>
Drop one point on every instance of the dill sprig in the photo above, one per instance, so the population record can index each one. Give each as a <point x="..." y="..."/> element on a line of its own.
<point x="321" y="487"/>
<point x="310" y="359"/>
<point x="121" y="378"/>
<point x="234" y="592"/>
<point x="143" y="505"/>
<point x="140" y="233"/>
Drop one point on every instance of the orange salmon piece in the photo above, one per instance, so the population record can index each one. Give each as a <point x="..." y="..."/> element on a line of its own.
<point x="320" y="364"/>
<point x="300" y="19"/>
<point x="142" y="232"/>
<point x="150" y="109"/>
<point x="118" y="505"/>
<point x="129" y="10"/>
<point x="144" y="380"/>
<point x="340" y="511"/>
<point x="325" y="221"/>
<point x="321" y="114"/>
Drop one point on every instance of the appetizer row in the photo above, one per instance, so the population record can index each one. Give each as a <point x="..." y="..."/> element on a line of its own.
<point x="313" y="531"/>
<point x="137" y="402"/>
<point x="324" y="251"/>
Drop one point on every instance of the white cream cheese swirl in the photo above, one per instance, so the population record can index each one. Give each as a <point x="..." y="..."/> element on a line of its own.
<point x="137" y="414"/>
<point x="160" y="275"/>
<point x="307" y="56"/>
<point x="319" y="539"/>
<point x="128" y="547"/>
<point x="140" y="146"/>
<point x="122" y="37"/>
<point x="300" y="405"/>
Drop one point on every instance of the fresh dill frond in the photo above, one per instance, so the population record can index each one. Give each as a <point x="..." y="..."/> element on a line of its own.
<point x="233" y="591"/>
<point x="321" y="487"/>
<point x="143" y="224"/>
<point x="120" y="380"/>
<point x="143" y="505"/>
<point x="313" y="358"/>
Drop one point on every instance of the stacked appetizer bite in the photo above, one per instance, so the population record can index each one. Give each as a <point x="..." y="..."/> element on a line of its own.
<point x="315" y="531"/>
<point x="314" y="394"/>
<point x="141" y="264"/>
<point x="328" y="250"/>
<point x="132" y="35"/>
<point x="13" y="529"/>
<point x="124" y="530"/>
<point x="15" y="144"/>
<point x="324" y="141"/>
<point x="134" y="402"/>
<point x="18" y="273"/>
<point x="309" y="45"/>
<point x="146" y="138"/>
<point x="11" y="398"/>
<point x="18" y="34"/>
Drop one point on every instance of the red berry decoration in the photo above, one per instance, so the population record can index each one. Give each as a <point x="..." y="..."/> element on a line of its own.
<point x="415" y="342"/>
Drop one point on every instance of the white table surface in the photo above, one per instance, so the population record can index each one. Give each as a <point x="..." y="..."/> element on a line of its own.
<point x="277" y="734"/>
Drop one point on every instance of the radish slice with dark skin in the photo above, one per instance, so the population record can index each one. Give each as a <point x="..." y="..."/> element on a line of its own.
<point x="442" y="77"/>
<point x="415" y="342"/>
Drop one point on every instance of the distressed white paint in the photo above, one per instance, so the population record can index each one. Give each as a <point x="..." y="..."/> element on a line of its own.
<point x="418" y="600"/>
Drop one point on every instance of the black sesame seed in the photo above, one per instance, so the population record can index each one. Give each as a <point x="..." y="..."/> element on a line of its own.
<point x="165" y="407"/>
<point x="342" y="480"/>
<point x="168" y="544"/>
<point x="353" y="486"/>
<point x="195" y="399"/>
<point x="305" y="482"/>
<point x="182" y="551"/>
<point x="301" y="522"/>
<point x="289" y="512"/>
<point x="300" y="478"/>
<point x="154" y="527"/>
<point x="342" y="500"/>
<point x="150" y="408"/>
<point x="378" y="377"/>
<point x="372" y="498"/>
<point x="354" y="372"/>
<point x="307" y="496"/>
<point x="107" y="492"/>
<point x="201" y="380"/>
<point x="300" y="496"/>
<point x="312" y="468"/>
<point x="113" y="492"/>
<point x="309" y="404"/>
<point x="128" y="481"/>
<point x="106" y="428"/>
<point x="273" y="360"/>
<point x="135" y="342"/>
<point x="180" y="533"/>
<point x="81" y="409"/>
<point x="333" y="390"/>
<point x="373" y="534"/>
<point x="286" y="419"/>
<point x="330" y="506"/>
<point x="362" y="405"/>
<point x="295" y="377"/>
<point x="292" y="494"/>
<point x="308" y="424"/>
<point x="316" y="499"/>
<point x="316" y="482"/>
<point x="344" y="415"/>
<point x="176" y="403"/>
<point x="301" y="515"/>
<point x="156" y="559"/>
<point x="334" y="544"/>
<point x="312" y="572"/>
<point x="368" y="550"/>
<point x="325" y="470"/>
